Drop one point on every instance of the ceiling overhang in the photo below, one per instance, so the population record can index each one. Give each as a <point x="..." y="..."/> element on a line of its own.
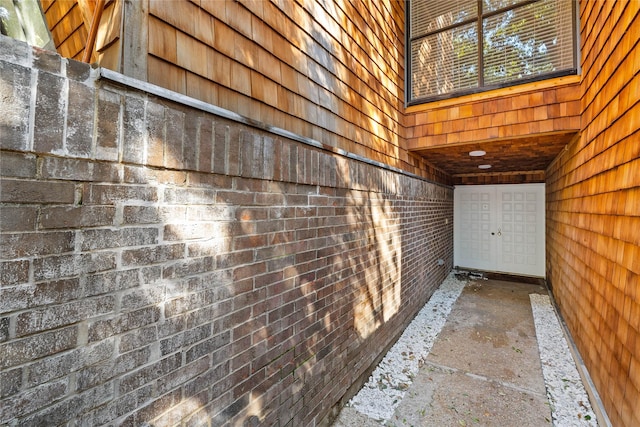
<point x="527" y="153"/>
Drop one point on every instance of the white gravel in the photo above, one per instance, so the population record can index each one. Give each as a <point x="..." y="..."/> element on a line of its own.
<point x="381" y="395"/>
<point x="569" y="401"/>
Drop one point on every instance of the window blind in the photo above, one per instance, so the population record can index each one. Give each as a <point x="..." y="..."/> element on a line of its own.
<point x="445" y="62"/>
<point x="428" y="16"/>
<point x="520" y="40"/>
<point x="527" y="41"/>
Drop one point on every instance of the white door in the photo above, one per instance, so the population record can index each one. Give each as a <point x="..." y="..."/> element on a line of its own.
<point x="500" y="228"/>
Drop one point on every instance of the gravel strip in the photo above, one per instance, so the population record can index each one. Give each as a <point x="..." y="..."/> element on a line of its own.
<point x="386" y="387"/>
<point x="381" y="395"/>
<point x="569" y="401"/>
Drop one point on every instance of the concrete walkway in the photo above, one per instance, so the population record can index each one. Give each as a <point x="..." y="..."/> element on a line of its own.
<point x="484" y="367"/>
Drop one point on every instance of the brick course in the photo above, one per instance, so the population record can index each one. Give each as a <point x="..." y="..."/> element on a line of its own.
<point x="160" y="264"/>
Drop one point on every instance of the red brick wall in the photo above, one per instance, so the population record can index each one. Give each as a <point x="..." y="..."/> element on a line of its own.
<point x="593" y="210"/>
<point x="162" y="264"/>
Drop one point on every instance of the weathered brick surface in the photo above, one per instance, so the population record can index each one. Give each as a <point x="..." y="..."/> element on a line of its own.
<point x="79" y="131"/>
<point x="133" y="131"/>
<point x="14" y="100"/>
<point x="18" y="165"/>
<point x="107" y="120"/>
<point x="49" y="117"/>
<point x="18" y="218"/>
<point x="14" y="272"/>
<point x="19" y="191"/>
<point x="47" y="60"/>
<point x="168" y="266"/>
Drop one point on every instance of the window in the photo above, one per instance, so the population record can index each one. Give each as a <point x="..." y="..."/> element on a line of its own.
<point x="522" y="41"/>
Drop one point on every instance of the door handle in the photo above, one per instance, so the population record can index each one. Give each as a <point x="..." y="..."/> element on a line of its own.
<point x="499" y="231"/>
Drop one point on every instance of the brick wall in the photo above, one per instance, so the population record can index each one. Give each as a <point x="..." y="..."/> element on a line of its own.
<point x="593" y="210"/>
<point x="161" y="264"/>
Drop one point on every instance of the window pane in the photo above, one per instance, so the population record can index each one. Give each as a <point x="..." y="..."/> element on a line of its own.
<point x="528" y="41"/>
<point x="427" y="16"/>
<point x="445" y="62"/>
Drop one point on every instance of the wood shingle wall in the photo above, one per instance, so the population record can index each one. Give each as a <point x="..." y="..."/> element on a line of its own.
<point x="332" y="71"/>
<point x="522" y="128"/>
<point x="542" y="108"/>
<point x="67" y="26"/>
<point x="70" y="21"/>
<point x="593" y="210"/>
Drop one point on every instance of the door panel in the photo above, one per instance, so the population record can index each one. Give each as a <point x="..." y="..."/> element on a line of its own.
<point x="500" y="228"/>
<point x="521" y="243"/>
<point x="474" y="219"/>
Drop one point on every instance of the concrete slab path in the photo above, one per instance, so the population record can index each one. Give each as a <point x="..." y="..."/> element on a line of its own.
<point x="484" y="368"/>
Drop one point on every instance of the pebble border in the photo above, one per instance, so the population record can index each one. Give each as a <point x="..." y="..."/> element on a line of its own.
<point x="381" y="395"/>
<point x="386" y="387"/>
<point x="567" y="396"/>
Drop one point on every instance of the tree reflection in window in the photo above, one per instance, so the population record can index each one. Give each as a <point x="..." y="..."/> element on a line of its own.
<point x="522" y="40"/>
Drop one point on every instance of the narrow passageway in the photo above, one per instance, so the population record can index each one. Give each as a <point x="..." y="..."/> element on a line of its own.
<point x="483" y="368"/>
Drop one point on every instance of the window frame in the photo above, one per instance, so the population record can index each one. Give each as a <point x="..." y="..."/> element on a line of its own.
<point x="410" y="101"/>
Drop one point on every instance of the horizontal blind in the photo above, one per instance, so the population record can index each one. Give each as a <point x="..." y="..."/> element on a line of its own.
<point x="445" y="62"/>
<point x="528" y="41"/>
<point x="429" y="16"/>
<point x="489" y="6"/>
<point x="521" y="39"/>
